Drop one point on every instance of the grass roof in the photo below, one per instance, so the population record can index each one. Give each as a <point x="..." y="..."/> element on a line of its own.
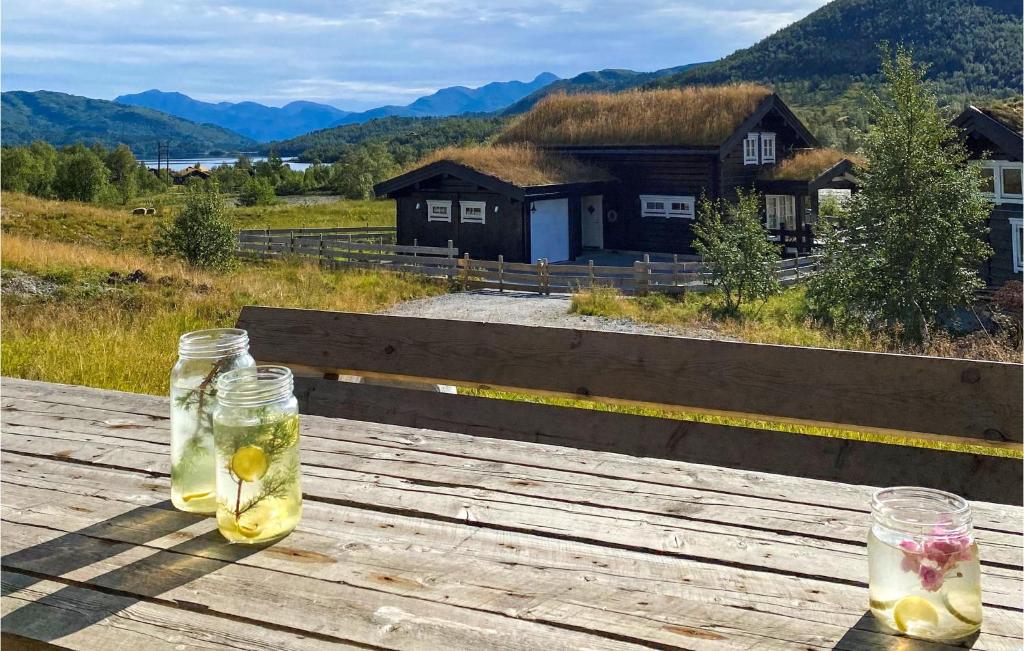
<point x="809" y="164"/>
<point x="520" y="164"/>
<point x="696" y="116"/>
<point x="1009" y="112"/>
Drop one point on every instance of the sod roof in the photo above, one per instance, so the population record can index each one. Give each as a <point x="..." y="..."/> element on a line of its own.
<point x="809" y="164"/>
<point x="520" y="164"/>
<point x="1009" y="113"/>
<point x="694" y="116"/>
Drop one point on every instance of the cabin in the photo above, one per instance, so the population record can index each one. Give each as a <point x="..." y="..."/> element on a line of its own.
<point x="994" y="140"/>
<point x="621" y="172"/>
<point x="196" y="171"/>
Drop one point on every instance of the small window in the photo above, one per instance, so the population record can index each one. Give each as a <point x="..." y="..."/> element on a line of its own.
<point x="988" y="180"/>
<point x="1011" y="182"/>
<point x="767" y="147"/>
<point x="666" y="206"/>
<point x="439" y="211"/>
<point x="473" y="212"/>
<point x="779" y="210"/>
<point x="1017" y="242"/>
<point x="750" y="144"/>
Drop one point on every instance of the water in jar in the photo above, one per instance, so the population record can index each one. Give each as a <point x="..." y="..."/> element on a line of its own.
<point x="258" y="494"/>
<point x="193" y="484"/>
<point x="929" y="588"/>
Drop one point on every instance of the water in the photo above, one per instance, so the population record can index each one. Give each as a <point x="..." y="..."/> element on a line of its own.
<point x="178" y="164"/>
<point x="940" y="603"/>
<point x="259" y="497"/>
<point x="193" y="486"/>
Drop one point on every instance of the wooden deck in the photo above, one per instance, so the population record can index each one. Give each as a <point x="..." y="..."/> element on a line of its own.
<point x="422" y="539"/>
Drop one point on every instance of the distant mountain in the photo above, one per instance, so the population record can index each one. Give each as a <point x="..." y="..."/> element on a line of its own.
<point x="64" y="119"/>
<point x="256" y="121"/>
<point x="605" y="81"/>
<point x="458" y="100"/>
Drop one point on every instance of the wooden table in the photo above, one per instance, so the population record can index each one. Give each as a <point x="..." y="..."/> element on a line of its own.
<point x="421" y="539"/>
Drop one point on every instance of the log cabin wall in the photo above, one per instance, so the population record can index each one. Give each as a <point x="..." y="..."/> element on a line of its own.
<point x="735" y="174"/>
<point x="503" y="233"/>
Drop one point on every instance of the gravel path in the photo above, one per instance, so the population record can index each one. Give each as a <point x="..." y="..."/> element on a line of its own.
<point x="530" y="309"/>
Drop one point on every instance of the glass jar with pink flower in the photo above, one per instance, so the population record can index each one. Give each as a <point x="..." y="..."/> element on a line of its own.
<point x="923" y="571"/>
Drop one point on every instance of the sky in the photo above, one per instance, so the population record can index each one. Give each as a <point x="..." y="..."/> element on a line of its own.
<point x="358" y="54"/>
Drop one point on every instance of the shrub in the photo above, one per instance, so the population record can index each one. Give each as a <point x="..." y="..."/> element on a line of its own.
<point x="256" y="191"/>
<point x="737" y="253"/>
<point x="201" y="233"/>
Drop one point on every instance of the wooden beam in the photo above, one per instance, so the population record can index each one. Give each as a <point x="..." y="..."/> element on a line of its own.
<point x="836" y="388"/>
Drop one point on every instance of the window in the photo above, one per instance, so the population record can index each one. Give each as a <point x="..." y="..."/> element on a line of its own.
<point x="652" y="205"/>
<point x="1017" y="241"/>
<point x="767" y="147"/>
<point x="473" y="212"/>
<point x="750" y="144"/>
<point x="439" y="211"/>
<point x="1001" y="180"/>
<point x="779" y="209"/>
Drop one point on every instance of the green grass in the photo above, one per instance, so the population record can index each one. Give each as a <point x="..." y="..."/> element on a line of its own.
<point x="115" y="228"/>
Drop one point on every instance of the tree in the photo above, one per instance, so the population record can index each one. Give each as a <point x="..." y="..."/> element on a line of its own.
<point x="911" y="243"/>
<point x="355" y="175"/>
<point x="81" y="174"/>
<point x="123" y="166"/>
<point x="256" y="191"/>
<point x="20" y="169"/>
<point x="201" y="232"/>
<point x="735" y="249"/>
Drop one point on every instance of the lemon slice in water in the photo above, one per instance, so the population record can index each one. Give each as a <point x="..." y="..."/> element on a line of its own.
<point x="964" y="605"/>
<point x="249" y="463"/>
<point x="914" y="610"/>
<point x="189" y="497"/>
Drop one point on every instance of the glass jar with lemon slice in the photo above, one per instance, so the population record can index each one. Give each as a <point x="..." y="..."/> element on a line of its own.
<point x="203" y="356"/>
<point x="924" y="576"/>
<point x="256" y="427"/>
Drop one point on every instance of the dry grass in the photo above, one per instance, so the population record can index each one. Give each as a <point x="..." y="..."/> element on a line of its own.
<point x="809" y="164"/>
<point x="696" y="115"/>
<point x="521" y="164"/>
<point x="1010" y="112"/>
<point x="124" y="336"/>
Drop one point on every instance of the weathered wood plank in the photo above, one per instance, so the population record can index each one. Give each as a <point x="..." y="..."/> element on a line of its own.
<point x="619" y="593"/>
<point x="134" y="416"/>
<point x="917" y="394"/>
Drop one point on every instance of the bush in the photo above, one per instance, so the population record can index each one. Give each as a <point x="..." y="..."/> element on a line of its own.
<point x="201" y="233"/>
<point x="256" y="191"/>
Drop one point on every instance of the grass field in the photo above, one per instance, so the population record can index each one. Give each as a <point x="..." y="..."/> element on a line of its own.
<point x="66" y="320"/>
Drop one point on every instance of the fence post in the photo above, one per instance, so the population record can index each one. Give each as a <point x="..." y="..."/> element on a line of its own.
<point x="590" y="272"/>
<point x="450" y="256"/>
<point x="546" y="278"/>
<point x="675" y="269"/>
<point x="501" y="273"/>
<point x="465" y="273"/>
<point x="320" y="257"/>
<point x="797" y="267"/>
<point x="266" y="240"/>
<point x="291" y="242"/>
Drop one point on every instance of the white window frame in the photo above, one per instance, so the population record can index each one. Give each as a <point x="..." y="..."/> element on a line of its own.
<point x="767" y="147"/>
<point x="473" y="219"/>
<point x="667" y="210"/>
<point x="997" y="167"/>
<point x="433" y="203"/>
<point x="773" y="215"/>
<point x="1017" y="242"/>
<point x="750" y="147"/>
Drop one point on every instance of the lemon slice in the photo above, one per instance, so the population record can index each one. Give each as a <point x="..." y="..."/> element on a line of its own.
<point x="914" y="610"/>
<point x="249" y="463"/>
<point x="196" y="496"/>
<point x="964" y="605"/>
<point x="880" y="604"/>
<point x="250" y="530"/>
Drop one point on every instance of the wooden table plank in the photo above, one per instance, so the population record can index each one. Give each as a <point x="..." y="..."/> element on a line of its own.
<point x="651" y="598"/>
<point x="526" y="542"/>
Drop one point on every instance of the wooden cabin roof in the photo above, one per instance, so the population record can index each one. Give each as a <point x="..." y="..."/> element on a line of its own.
<point x="695" y="116"/>
<point x="809" y="164"/>
<point x="997" y="124"/>
<point x="1007" y="113"/>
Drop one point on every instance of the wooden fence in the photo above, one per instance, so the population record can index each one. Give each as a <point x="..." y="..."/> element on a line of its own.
<point x="375" y="248"/>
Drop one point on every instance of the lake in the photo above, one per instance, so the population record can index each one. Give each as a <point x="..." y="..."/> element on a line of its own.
<point x="178" y="164"/>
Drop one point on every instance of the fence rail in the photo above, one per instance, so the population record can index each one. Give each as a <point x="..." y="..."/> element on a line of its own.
<point x="375" y="248"/>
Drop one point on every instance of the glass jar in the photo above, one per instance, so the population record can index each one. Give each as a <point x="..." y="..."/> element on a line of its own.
<point x="256" y="427"/>
<point x="203" y="355"/>
<point x="924" y="577"/>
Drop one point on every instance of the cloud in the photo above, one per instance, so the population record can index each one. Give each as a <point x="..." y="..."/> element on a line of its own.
<point x="358" y="53"/>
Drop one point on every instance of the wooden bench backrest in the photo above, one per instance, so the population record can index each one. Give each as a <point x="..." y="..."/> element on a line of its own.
<point x="948" y="400"/>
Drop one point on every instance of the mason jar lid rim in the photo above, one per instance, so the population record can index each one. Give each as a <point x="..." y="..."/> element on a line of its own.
<point x="262" y="383"/>
<point x="892" y="507"/>
<point x="213" y="342"/>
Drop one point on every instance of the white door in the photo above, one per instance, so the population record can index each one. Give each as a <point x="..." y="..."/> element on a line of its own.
<point x="549" y="230"/>
<point x="593" y="221"/>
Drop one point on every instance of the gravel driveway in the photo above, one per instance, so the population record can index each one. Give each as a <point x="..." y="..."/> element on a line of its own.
<point x="522" y="308"/>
